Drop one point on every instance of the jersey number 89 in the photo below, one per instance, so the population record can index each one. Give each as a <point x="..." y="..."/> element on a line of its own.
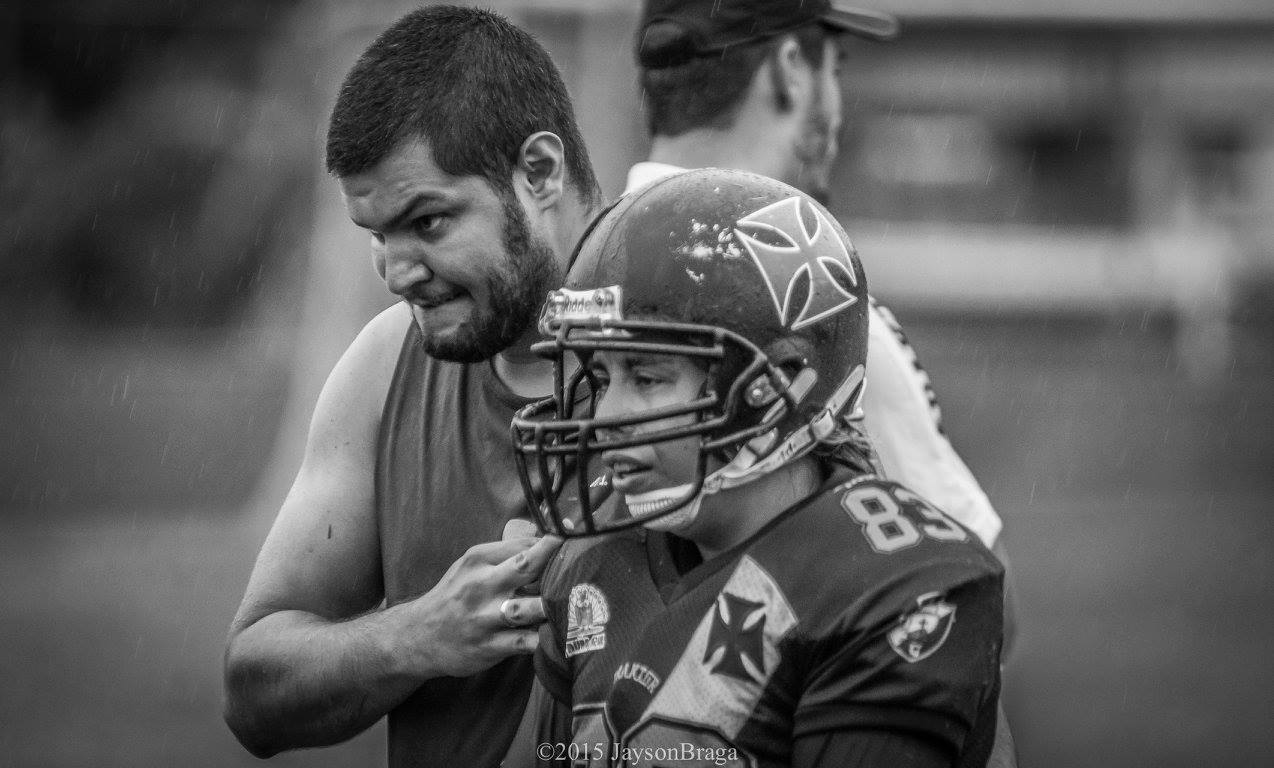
<point x="881" y="511"/>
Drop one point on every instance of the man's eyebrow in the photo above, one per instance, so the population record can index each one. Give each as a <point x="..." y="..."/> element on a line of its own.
<point x="407" y="210"/>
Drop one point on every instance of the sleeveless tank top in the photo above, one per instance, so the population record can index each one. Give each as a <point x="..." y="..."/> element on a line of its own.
<point x="445" y="480"/>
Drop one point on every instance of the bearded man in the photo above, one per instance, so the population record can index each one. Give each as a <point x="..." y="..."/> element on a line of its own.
<point x="384" y="587"/>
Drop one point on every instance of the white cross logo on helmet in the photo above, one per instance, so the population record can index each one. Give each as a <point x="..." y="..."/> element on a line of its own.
<point x="818" y="255"/>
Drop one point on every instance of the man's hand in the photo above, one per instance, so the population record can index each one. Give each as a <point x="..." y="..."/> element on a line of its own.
<point x="472" y="618"/>
<point x="310" y="659"/>
<point x="523" y="528"/>
<point x="294" y="678"/>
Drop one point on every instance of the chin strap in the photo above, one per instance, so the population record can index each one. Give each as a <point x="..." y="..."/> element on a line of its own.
<point x="652" y="502"/>
<point x="745" y="467"/>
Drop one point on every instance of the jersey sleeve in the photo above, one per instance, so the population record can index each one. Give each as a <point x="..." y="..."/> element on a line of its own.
<point x="861" y="748"/>
<point x="924" y="659"/>
<point x="902" y="416"/>
<point x="551" y="667"/>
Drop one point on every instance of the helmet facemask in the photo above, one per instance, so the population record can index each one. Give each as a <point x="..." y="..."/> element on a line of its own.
<point x="558" y="440"/>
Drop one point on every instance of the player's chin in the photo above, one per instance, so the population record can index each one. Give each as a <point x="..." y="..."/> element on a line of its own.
<point x="675" y="521"/>
<point x="626" y="482"/>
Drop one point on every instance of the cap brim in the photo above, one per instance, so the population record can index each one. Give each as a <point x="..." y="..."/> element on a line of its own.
<point x="862" y="22"/>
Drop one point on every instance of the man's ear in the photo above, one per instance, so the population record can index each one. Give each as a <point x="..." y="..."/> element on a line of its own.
<point x="789" y="74"/>
<point x="541" y="168"/>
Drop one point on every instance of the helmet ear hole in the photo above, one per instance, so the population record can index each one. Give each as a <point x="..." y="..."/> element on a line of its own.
<point x="790" y="354"/>
<point x="791" y="357"/>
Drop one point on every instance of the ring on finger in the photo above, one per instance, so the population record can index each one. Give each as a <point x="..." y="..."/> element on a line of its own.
<point x="506" y="613"/>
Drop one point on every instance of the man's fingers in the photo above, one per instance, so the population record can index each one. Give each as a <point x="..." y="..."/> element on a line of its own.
<point x="527" y="590"/>
<point x="521" y="612"/>
<point x="520" y="528"/>
<point x="523" y="567"/>
<point x="497" y="552"/>
<point x="515" y="641"/>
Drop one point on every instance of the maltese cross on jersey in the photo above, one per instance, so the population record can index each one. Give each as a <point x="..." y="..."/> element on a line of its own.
<point x="736" y="642"/>
<point x="819" y="255"/>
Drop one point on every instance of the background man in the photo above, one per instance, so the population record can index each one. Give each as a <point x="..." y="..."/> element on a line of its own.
<point x="755" y="85"/>
<point x="457" y="149"/>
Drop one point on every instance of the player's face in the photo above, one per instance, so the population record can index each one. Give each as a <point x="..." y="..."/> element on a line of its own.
<point x="817" y="145"/>
<point x="460" y="253"/>
<point x="634" y="383"/>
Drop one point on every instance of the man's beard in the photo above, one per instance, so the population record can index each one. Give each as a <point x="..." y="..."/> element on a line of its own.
<point x="517" y="292"/>
<point x="815" y="151"/>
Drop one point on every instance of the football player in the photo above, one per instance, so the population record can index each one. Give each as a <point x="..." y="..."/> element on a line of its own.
<point x="764" y="598"/>
<point x="757" y="85"/>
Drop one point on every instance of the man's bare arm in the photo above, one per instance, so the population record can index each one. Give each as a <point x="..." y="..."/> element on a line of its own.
<point x="311" y="659"/>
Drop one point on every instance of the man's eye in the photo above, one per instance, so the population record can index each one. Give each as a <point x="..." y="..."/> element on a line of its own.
<point x="378" y="238"/>
<point x="429" y="224"/>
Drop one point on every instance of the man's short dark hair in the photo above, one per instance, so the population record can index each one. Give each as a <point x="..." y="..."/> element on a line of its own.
<point x="706" y="91"/>
<point x="470" y="83"/>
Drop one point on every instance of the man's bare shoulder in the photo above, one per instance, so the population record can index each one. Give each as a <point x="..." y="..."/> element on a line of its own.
<point x="359" y="383"/>
<point x="377" y="346"/>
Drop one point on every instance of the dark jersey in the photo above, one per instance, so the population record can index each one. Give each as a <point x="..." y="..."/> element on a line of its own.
<point x="862" y="608"/>
<point x="445" y="481"/>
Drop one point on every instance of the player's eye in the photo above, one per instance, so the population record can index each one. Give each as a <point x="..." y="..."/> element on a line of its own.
<point x="377" y="238"/>
<point x="647" y="379"/>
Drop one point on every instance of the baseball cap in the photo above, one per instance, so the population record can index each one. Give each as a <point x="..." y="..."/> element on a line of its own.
<point x="711" y="26"/>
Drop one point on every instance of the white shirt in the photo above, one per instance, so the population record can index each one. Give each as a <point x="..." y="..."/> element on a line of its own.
<point x="901" y="413"/>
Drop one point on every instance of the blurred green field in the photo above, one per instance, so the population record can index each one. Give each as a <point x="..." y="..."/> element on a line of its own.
<point x="1136" y="506"/>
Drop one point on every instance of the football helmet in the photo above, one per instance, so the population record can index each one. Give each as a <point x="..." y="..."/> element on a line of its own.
<point x="744" y="273"/>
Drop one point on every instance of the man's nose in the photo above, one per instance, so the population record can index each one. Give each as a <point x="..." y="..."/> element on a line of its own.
<point x="405" y="266"/>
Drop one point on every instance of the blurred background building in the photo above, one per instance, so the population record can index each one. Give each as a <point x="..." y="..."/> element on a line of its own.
<point x="1070" y="205"/>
